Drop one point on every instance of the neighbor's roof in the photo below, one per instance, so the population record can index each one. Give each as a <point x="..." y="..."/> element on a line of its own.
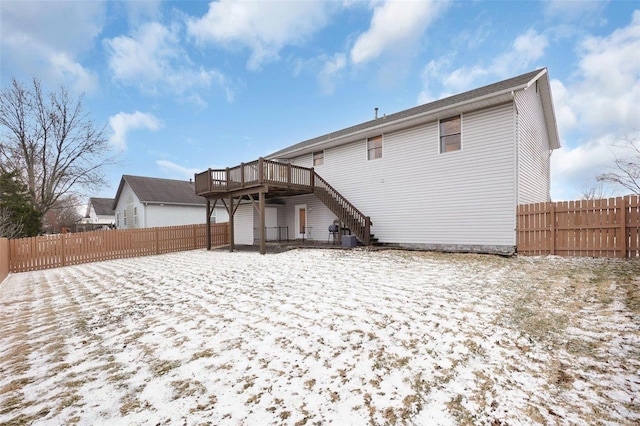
<point x="161" y="191"/>
<point x="102" y="206"/>
<point x="482" y="97"/>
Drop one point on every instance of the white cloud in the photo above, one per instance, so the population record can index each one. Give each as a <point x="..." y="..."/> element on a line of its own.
<point x="565" y="116"/>
<point x="265" y="28"/>
<point x="177" y="169"/>
<point x="46" y="38"/>
<point x="600" y="104"/>
<point x="395" y="24"/>
<point x="123" y="122"/>
<point x="525" y="50"/>
<point x="574" y="169"/>
<point x="153" y="60"/>
<point x="606" y="92"/>
<point x="586" y="12"/>
<point x="331" y="71"/>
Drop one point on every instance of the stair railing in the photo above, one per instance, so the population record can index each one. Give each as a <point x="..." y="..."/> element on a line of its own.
<point x="353" y="218"/>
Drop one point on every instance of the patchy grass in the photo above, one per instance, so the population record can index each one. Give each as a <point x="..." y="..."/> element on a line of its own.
<point x="395" y="338"/>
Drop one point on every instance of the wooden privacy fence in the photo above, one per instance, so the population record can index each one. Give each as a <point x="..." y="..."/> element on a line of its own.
<point x="52" y="251"/>
<point x="597" y="228"/>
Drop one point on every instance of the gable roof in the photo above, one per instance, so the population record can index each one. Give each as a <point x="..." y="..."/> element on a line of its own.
<point x="102" y="206"/>
<point x="492" y="94"/>
<point x="161" y="191"/>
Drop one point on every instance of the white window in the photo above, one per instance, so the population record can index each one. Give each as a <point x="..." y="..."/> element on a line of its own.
<point x="374" y="147"/>
<point x="125" y="217"/>
<point x="450" y="134"/>
<point x="135" y="215"/>
<point x="318" y="158"/>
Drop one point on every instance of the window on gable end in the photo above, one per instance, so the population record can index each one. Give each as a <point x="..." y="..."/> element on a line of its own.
<point x="450" y="134"/>
<point x="318" y="158"/>
<point x="374" y="147"/>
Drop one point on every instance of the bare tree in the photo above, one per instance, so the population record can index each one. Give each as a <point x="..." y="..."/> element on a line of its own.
<point x="627" y="167"/>
<point x="8" y="227"/>
<point x="64" y="214"/>
<point x="595" y="192"/>
<point x="52" y="142"/>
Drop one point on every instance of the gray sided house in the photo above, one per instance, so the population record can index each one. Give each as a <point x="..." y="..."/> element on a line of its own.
<point x="446" y="175"/>
<point x="146" y="202"/>
<point x="99" y="215"/>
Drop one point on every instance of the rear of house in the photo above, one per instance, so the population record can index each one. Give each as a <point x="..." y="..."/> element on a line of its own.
<point x="447" y="175"/>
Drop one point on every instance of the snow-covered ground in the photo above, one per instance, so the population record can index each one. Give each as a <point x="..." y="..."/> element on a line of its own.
<point x="322" y="336"/>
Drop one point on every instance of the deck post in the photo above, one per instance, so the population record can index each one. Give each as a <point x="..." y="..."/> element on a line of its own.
<point x="210" y="185"/>
<point x="227" y="175"/>
<point x="241" y="175"/>
<point x="231" y="214"/>
<point x="263" y="242"/>
<point x="367" y="231"/>
<point x="208" y="224"/>
<point x="312" y="178"/>
<point x="260" y="170"/>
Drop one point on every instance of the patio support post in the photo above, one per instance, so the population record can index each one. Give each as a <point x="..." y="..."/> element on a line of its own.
<point x="231" y="214"/>
<point x="208" y="224"/>
<point x="263" y="244"/>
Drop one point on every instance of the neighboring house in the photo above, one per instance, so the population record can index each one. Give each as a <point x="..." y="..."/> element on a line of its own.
<point x="446" y="175"/>
<point x="99" y="215"/>
<point x="146" y="202"/>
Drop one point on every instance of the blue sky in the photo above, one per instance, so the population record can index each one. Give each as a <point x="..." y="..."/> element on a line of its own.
<point x="183" y="86"/>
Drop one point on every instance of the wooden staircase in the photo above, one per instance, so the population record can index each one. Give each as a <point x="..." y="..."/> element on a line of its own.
<point x="352" y="218"/>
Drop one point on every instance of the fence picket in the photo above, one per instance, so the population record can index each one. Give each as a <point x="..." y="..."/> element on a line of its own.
<point x="52" y="251"/>
<point x="602" y="228"/>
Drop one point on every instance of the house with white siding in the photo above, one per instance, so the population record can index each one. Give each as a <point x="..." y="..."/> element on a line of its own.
<point x="446" y="175"/>
<point x="99" y="215"/>
<point x="147" y="202"/>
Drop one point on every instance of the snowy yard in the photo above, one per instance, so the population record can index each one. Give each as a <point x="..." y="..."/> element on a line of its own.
<point x="323" y="336"/>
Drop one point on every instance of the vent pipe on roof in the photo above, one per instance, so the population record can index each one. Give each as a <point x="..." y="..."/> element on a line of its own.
<point x="376" y="108"/>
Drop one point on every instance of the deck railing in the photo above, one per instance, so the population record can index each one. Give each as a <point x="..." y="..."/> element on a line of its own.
<point x="257" y="172"/>
<point x="262" y="171"/>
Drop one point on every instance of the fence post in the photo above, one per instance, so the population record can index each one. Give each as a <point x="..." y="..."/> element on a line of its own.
<point x="552" y="228"/>
<point x="62" y="249"/>
<point x="4" y="259"/>
<point x="622" y="207"/>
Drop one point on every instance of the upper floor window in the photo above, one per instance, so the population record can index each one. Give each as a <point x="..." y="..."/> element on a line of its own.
<point x="450" y="134"/>
<point x="318" y="158"/>
<point x="374" y="147"/>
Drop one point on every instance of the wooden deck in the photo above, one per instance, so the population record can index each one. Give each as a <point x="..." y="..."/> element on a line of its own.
<point x="268" y="179"/>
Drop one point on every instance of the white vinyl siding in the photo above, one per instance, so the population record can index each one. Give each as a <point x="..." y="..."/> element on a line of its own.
<point x="533" y="147"/>
<point x="417" y="196"/>
<point x="319" y="217"/>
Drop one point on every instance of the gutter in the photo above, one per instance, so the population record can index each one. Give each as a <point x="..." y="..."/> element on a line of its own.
<point x="412" y="117"/>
